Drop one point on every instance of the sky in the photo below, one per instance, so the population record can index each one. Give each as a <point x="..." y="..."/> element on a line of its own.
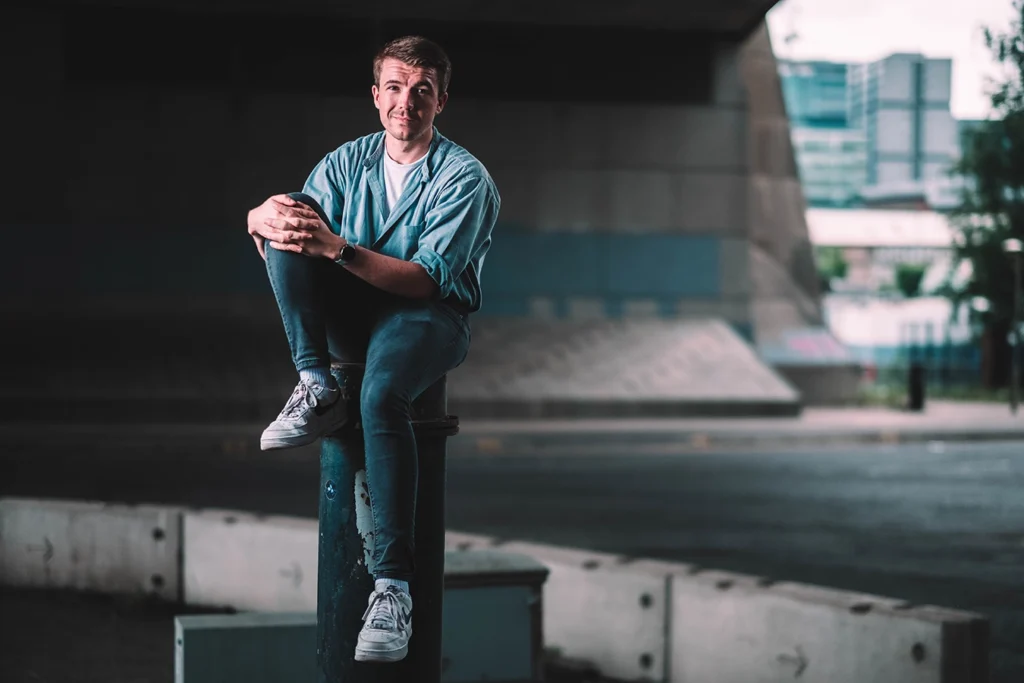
<point x="866" y="30"/>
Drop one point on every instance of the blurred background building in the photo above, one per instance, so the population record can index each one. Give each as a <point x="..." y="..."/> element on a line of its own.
<point x="875" y="134"/>
<point x="875" y="145"/>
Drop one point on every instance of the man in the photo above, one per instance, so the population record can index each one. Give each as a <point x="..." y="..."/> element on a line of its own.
<point x="390" y="267"/>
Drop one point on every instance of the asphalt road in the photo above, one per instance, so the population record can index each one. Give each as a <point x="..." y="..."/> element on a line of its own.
<point x="940" y="524"/>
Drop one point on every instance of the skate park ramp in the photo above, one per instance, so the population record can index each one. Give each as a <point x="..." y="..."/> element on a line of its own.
<point x="614" y="368"/>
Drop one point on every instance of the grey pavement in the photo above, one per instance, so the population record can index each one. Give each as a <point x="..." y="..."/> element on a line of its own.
<point x="921" y="522"/>
<point x="813" y="428"/>
<point x="940" y="421"/>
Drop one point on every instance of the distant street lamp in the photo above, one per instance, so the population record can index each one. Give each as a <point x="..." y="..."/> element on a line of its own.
<point x="1014" y="247"/>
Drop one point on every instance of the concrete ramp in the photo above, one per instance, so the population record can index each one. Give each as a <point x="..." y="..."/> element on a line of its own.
<point x="614" y="368"/>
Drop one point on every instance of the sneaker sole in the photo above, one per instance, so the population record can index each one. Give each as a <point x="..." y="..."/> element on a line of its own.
<point x="271" y="443"/>
<point x="381" y="655"/>
<point x="276" y="443"/>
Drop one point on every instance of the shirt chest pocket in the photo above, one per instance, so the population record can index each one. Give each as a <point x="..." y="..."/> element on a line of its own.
<point x="403" y="241"/>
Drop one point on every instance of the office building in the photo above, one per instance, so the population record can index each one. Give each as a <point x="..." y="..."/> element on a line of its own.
<point x="902" y="104"/>
<point x="879" y="134"/>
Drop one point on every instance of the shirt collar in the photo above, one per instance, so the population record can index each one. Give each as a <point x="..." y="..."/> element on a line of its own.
<point x="428" y="168"/>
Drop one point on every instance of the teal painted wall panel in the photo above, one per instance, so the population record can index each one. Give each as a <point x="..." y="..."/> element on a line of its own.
<point x="520" y="266"/>
<point x="543" y="264"/>
<point x="660" y="265"/>
<point x="615" y="268"/>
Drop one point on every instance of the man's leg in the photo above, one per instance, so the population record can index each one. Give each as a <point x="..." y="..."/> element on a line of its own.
<point x="314" y="296"/>
<point x="411" y="347"/>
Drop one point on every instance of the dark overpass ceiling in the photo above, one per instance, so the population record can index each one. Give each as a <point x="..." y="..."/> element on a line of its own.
<point x="729" y="17"/>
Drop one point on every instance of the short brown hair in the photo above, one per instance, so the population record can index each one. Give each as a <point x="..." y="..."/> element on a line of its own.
<point x="419" y="52"/>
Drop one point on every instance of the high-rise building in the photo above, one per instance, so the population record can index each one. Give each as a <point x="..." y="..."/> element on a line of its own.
<point x="875" y="133"/>
<point x="902" y="103"/>
<point x="830" y="155"/>
<point x="815" y="93"/>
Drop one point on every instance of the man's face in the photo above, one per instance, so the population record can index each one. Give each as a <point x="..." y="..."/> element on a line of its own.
<point x="407" y="98"/>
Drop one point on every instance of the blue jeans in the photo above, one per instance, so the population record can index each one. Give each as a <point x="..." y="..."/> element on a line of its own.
<point x="329" y="314"/>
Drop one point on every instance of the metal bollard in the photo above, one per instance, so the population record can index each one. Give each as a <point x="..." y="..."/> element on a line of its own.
<point x="344" y="581"/>
<point x="916" y="381"/>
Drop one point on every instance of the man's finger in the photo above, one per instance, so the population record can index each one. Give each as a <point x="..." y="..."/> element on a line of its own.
<point x="286" y="229"/>
<point x="298" y="210"/>
<point x="286" y="247"/>
<point x="284" y="199"/>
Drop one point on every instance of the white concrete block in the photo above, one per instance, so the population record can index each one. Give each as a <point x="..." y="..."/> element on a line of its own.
<point x="600" y="609"/>
<point x="641" y="308"/>
<point x="732" y="310"/>
<point x="542" y="307"/>
<point x="733" y="629"/>
<point x="90" y="546"/>
<point x="586" y="308"/>
<point x="250" y="562"/>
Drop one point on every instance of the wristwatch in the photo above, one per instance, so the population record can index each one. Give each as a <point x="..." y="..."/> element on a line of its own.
<point x="347" y="253"/>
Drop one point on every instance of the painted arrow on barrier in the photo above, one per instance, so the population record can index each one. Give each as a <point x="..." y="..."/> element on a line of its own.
<point x="294" y="573"/>
<point x="46" y="549"/>
<point x="800" y="660"/>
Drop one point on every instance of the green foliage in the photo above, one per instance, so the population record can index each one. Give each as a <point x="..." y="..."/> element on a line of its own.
<point x="831" y="265"/>
<point x="992" y="209"/>
<point x="908" y="278"/>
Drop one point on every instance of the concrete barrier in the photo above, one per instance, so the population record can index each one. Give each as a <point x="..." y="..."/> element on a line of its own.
<point x="118" y="549"/>
<point x="249" y="562"/>
<point x="633" y="619"/>
<point x="604" y="610"/>
<point x="732" y="628"/>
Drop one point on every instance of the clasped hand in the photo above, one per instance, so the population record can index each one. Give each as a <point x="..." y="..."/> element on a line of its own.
<point x="288" y="225"/>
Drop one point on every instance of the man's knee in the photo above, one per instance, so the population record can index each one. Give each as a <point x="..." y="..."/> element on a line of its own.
<point x="303" y="198"/>
<point x="381" y="398"/>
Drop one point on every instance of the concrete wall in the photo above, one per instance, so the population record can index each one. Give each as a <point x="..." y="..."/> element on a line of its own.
<point x="641" y="184"/>
<point x="625" y="193"/>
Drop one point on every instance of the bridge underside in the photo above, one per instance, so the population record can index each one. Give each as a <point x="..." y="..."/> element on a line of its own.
<point x="641" y="149"/>
<point x="736" y="18"/>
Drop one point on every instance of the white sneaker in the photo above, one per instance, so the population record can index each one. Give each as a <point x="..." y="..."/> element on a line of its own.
<point x="305" y="418"/>
<point x="387" y="627"/>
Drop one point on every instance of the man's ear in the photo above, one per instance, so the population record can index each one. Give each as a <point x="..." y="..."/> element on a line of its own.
<point x="441" y="101"/>
<point x="376" y="95"/>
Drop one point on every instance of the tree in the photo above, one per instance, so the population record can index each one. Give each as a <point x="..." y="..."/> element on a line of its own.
<point x="908" y="278"/>
<point x="992" y="207"/>
<point x="831" y="265"/>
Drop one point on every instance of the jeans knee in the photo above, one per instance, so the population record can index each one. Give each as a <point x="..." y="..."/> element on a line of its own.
<point x="380" y="400"/>
<point x="277" y="258"/>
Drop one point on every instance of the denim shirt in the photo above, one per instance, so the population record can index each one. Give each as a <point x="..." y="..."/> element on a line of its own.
<point x="443" y="220"/>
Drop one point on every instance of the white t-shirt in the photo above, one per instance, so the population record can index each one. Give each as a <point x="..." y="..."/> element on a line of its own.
<point x="396" y="177"/>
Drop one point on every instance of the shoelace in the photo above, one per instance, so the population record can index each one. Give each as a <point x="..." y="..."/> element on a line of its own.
<point x="300" y="399"/>
<point x="383" y="610"/>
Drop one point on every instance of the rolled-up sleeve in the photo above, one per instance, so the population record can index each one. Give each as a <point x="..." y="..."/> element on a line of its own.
<point x="457" y="227"/>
